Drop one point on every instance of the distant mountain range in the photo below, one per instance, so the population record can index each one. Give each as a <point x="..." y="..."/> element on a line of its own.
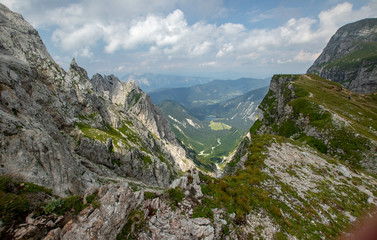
<point x="209" y="93"/>
<point x="149" y="81"/>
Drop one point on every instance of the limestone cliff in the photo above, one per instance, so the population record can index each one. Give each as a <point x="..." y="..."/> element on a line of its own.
<point x="67" y="132"/>
<point x="350" y="57"/>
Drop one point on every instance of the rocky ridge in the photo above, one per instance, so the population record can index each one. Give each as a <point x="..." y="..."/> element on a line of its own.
<point x="350" y="57"/>
<point x="67" y="132"/>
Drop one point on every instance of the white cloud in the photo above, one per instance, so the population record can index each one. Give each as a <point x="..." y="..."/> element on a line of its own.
<point x="208" y="64"/>
<point x="78" y="40"/>
<point x="158" y="34"/>
<point x="154" y="30"/>
<point x="227" y="48"/>
<point x="303" y="56"/>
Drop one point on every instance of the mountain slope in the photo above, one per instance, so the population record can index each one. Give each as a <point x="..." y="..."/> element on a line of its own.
<point x="239" y="112"/>
<point x="323" y="114"/>
<point x="209" y="93"/>
<point x="210" y="144"/>
<point x="304" y="164"/>
<point x="67" y="132"/>
<point x="350" y="57"/>
<point x="213" y="131"/>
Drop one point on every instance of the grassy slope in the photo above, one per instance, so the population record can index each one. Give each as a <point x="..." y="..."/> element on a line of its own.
<point x="352" y="60"/>
<point x="324" y="117"/>
<point x="360" y="111"/>
<point x="259" y="187"/>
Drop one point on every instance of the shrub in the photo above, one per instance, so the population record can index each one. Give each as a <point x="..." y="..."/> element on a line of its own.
<point x="18" y="199"/>
<point x="62" y="205"/>
<point x="204" y="209"/>
<point x="13" y="207"/>
<point x="134" y="224"/>
<point x="93" y="200"/>
<point x="176" y="196"/>
<point x="287" y="128"/>
<point x="149" y="195"/>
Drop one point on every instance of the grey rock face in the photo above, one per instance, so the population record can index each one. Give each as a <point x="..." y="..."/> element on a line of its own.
<point x="105" y="222"/>
<point x="133" y="99"/>
<point x="32" y="144"/>
<point x="350" y="57"/>
<point x="115" y="202"/>
<point x="66" y="132"/>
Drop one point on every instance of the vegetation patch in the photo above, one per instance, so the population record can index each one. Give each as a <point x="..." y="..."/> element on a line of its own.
<point x="351" y="146"/>
<point x="18" y="199"/>
<point x="175" y="196"/>
<point x="315" y="143"/>
<point x="149" y="195"/>
<point x="268" y="106"/>
<point x="135" y="224"/>
<point x="62" y="205"/>
<point x="288" y="128"/>
<point x="237" y="193"/>
<point x="93" y="199"/>
<point x="147" y="160"/>
<point x="257" y="124"/>
<point x="365" y="51"/>
<point x="216" y="126"/>
<point x="306" y="108"/>
<point x="204" y="210"/>
<point x="121" y="137"/>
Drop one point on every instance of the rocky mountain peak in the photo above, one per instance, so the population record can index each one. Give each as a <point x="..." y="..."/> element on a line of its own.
<point x="350" y="57"/>
<point x="20" y="38"/>
<point x="68" y="132"/>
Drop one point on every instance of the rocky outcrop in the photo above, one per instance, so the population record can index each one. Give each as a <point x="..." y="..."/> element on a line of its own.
<point x="169" y="224"/>
<point x="104" y="221"/>
<point x="68" y="132"/>
<point x="131" y="99"/>
<point x="163" y="219"/>
<point x="350" y="57"/>
<point x="116" y="203"/>
<point x="190" y="184"/>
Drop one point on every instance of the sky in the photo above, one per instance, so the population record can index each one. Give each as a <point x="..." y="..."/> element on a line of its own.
<point x="224" y="39"/>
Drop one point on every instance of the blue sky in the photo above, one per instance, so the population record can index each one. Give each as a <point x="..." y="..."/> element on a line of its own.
<point x="212" y="38"/>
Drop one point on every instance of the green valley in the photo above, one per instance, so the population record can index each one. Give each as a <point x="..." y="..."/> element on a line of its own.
<point x="213" y="131"/>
